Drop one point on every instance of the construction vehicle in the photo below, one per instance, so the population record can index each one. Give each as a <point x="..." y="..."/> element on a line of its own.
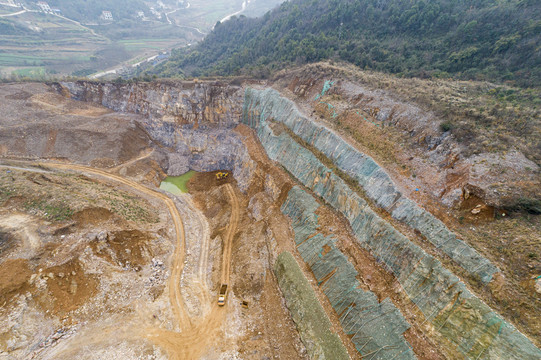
<point x="221" y="175"/>
<point x="222" y="295"/>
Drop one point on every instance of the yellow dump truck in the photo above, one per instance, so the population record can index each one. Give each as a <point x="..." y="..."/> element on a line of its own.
<point x="222" y="295"/>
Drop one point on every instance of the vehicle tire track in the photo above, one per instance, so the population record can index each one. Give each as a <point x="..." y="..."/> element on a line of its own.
<point x="230" y="233"/>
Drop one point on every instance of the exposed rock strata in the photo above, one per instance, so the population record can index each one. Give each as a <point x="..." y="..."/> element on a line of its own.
<point x="468" y="324"/>
<point x="446" y="164"/>
<point x="263" y="105"/>
<point x="375" y="327"/>
<point x="195" y="104"/>
<point x="309" y="316"/>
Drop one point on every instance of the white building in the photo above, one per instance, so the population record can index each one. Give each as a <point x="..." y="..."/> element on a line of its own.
<point x="106" y="15"/>
<point x="156" y="13"/>
<point x="44" y="6"/>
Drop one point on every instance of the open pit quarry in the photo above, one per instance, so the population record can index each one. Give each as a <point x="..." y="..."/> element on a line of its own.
<point x="329" y="247"/>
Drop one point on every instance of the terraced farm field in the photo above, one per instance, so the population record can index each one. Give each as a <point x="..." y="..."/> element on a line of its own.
<point x="38" y="45"/>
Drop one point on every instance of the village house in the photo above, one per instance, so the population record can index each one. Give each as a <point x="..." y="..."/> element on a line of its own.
<point x="106" y="15"/>
<point x="44" y="6"/>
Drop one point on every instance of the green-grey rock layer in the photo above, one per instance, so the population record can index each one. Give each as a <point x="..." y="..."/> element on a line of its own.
<point x="310" y="318"/>
<point x="471" y="327"/>
<point x="261" y="105"/>
<point x="375" y="328"/>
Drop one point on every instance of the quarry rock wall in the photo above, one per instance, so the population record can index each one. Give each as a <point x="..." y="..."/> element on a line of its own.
<point x="193" y="120"/>
<point x="311" y="320"/>
<point x="185" y="103"/>
<point x="469" y="326"/>
<point x="261" y="105"/>
<point x="374" y="327"/>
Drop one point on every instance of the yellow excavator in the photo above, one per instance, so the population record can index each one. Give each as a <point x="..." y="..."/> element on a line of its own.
<point x="221" y="175"/>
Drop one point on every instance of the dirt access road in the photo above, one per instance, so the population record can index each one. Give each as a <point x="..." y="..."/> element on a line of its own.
<point x="191" y="344"/>
<point x="190" y="341"/>
<point x="233" y="224"/>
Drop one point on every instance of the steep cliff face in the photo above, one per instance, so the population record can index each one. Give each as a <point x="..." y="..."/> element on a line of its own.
<point x="261" y="106"/>
<point x="194" y="120"/>
<point x="310" y="318"/>
<point x="195" y="104"/>
<point x="337" y="278"/>
<point x="469" y="326"/>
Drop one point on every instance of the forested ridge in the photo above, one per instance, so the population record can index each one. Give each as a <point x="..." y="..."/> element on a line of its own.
<point x="495" y="40"/>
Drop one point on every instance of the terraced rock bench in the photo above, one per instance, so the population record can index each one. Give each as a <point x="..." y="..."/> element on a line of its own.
<point x="312" y="323"/>
<point x="470" y="327"/>
<point x="375" y="328"/>
<point x="263" y="105"/>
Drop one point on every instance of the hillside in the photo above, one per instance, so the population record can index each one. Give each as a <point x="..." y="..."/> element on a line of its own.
<point x="73" y="38"/>
<point x="478" y="39"/>
<point x="343" y="206"/>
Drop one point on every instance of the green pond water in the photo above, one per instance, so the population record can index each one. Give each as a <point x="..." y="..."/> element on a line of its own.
<point x="177" y="184"/>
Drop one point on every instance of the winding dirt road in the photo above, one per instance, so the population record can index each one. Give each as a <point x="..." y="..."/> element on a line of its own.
<point x="178" y="309"/>
<point x="190" y="341"/>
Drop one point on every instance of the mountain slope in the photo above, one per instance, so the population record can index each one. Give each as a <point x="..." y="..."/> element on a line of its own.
<point x="469" y="39"/>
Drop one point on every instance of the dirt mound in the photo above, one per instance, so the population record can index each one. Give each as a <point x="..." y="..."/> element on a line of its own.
<point x="208" y="180"/>
<point x="92" y="216"/>
<point x="64" y="105"/>
<point x="128" y="248"/>
<point x="20" y="95"/>
<point x="58" y="127"/>
<point x="68" y="287"/>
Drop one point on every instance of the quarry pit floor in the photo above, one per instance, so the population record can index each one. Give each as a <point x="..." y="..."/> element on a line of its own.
<point x="177" y="335"/>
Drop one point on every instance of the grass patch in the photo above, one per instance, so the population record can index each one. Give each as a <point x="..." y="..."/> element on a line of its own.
<point x="57" y="196"/>
<point x="52" y="210"/>
<point x="484" y="117"/>
<point x="31" y="72"/>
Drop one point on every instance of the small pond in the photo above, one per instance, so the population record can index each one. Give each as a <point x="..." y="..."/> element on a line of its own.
<point x="177" y="184"/>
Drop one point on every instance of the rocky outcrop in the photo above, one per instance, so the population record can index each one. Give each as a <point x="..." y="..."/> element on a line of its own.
<point x="311" y="320"/>
<point x="374" y="327"/>
<point x="185" y="103"/>
<point x="193" y="120"/>
<point x="268" y="104"/>
<point x="469" y="326"/>
<point x="443" y="160"/>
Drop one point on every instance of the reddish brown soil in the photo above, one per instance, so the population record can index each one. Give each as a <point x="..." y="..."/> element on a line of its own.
<point x="126" y="247"/>
<point x="14" y="276"/>
<point x="207" y="180"/>
<point x="375" y="278"/>
<point x="68" y="289"/>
